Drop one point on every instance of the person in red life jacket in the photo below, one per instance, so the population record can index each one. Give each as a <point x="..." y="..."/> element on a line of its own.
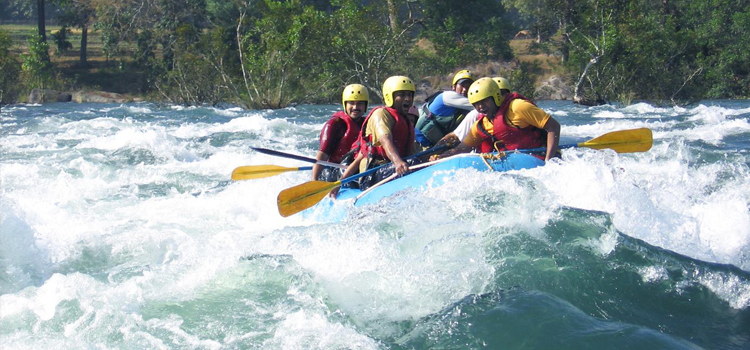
<point x="455" y="137"/>
<point x="340" y="133"/>
<point x="387" y="134"/>
<point x="507" y="121"/>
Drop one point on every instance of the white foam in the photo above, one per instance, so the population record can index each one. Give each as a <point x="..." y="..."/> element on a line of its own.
<point x="134" y="109"/>
<point x="645" y="108"/>
<point x="303" y="330"/>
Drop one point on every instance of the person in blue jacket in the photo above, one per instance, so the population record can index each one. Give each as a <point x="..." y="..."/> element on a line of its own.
<point x="443" y="111"/>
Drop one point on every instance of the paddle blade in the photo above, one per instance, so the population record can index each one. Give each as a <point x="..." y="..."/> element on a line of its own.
<point x="623" y="141"/>
<point x="258" y="171"/>
<point x="298" y="198"/>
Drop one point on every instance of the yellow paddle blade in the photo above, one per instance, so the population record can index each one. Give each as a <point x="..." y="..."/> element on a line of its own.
<point x="298" y="198"/>
<point x="623" y="141"/>
<point x="258" y="171"/>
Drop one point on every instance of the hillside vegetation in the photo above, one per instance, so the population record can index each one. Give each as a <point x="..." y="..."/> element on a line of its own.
<point x="275" y="53"/>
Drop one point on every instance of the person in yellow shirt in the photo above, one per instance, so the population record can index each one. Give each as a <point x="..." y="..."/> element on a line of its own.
<point x="507" y="121"/>
<point x="387" y="134"/>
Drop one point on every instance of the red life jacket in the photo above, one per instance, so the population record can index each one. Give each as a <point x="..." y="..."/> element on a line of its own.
<point x="349" y="140"/>
<point x="511" y="137"/>
<point x="402" y="134"/>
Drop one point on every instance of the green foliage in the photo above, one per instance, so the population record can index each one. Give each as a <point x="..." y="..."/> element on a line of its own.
<point x="11" y="68"/>
<point x="462" y="37"/>
<point x="362" y="49"/>
<point x="284" y="56"/>
<point x="274" y="53"/>
<point x="195" y="76"/>
<point x="678" y="51"/>
<point x="36" y="66"/>
<point x="522" y="79"/>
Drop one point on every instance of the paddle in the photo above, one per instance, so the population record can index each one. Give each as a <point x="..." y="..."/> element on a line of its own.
<point x="294" y="156"/>
<point x="248" y="172"/>
<point x="623" y="141"/>
<point x="298" y="198"/>
<point x="260" y="171"/>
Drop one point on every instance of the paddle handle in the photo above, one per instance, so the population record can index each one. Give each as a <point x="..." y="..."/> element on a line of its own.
<point x="283" y="154"/>
<point x="297" y="157"/>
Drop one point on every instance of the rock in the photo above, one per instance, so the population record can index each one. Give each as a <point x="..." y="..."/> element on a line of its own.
<point x="555" y="88"/>
<point x="46" y="95"/>
<point x="424" y="90"/>
<point x="100" y="97"/>
<point x="585" y="102"/>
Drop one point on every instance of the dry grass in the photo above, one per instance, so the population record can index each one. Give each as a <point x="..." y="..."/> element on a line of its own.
<point x="523" y="50"/>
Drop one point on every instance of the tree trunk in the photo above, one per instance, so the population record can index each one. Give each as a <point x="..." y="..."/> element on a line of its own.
<point x="40" y="20"/>
<point x="84" y="44"/>
<point x="577" y="98"/>
<point x="393" y="16"/>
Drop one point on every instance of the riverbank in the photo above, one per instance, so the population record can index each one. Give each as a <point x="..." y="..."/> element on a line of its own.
<point x="117" y="79"/>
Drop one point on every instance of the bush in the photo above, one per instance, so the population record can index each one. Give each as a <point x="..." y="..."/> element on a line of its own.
<point x="11" y="68"/>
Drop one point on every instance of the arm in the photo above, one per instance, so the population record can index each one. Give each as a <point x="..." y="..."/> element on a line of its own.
<point x="330" y="136"/>
<point x="350" y="170"/>
<point x="461" y="148"/>
<point x="528" y="114"/>
<point x="470" y="140"/>
<point x="464" y="128"/>
<point x="451" y="140"/>
<point x="456" y="100"/>
<point x="390" y="150"/>
<point x="553" y="137"/>
<point x="317" y="168"/>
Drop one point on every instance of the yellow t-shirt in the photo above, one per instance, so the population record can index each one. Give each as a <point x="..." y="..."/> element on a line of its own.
<point x="521" y="114"/>
<point x="380" y="124"/>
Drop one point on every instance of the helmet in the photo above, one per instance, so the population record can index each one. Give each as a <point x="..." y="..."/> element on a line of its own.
<point x="502" y="83"/>
<point x="396" y="83"/>
<point x="463" y="74"/>
<point x="483" y="88"/>
<point x="354" y="92"/>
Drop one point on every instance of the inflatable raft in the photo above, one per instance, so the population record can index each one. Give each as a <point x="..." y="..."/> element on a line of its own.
<point x="437" y="174"/>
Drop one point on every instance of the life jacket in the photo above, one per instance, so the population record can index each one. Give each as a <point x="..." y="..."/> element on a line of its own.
<point x="434" y="126"/>
<point x="510" y="136"/>
<point x="348" y="141"/>
<point x="402" y="134"/>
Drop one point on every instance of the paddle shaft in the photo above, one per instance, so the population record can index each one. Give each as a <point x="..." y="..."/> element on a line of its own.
<point x="543" y="149"/>
<point x="368" y="172"/>
<point x="297" y="157"/>
<point x="295" y="199"/>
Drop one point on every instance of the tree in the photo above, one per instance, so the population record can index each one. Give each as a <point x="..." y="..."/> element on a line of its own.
<point x="461" y="37"/>
<point x="364" y="48"/>
<point x="41" y="20"/>
<point x="11" y="68"/>
<point x="80" y="14"/>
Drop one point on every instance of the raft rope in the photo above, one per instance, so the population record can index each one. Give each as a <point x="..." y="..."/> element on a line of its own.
<point x="486" y="157"/>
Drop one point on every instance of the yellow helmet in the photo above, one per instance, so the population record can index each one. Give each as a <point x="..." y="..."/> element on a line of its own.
<point x="396" y="83"/>
<point x="463" y="74"/>
<point x="484" y="88"/>
<point x="354" y="92"/>
<point x="502" y="83"/>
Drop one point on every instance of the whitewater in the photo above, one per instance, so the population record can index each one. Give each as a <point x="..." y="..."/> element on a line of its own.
<point x="120" y="228"/>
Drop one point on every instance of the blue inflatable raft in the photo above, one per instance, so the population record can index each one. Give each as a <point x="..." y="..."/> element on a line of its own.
<point x="329" y="210"/>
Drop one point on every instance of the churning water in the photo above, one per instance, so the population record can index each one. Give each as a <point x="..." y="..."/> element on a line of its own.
<point x="121" y="229"/>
